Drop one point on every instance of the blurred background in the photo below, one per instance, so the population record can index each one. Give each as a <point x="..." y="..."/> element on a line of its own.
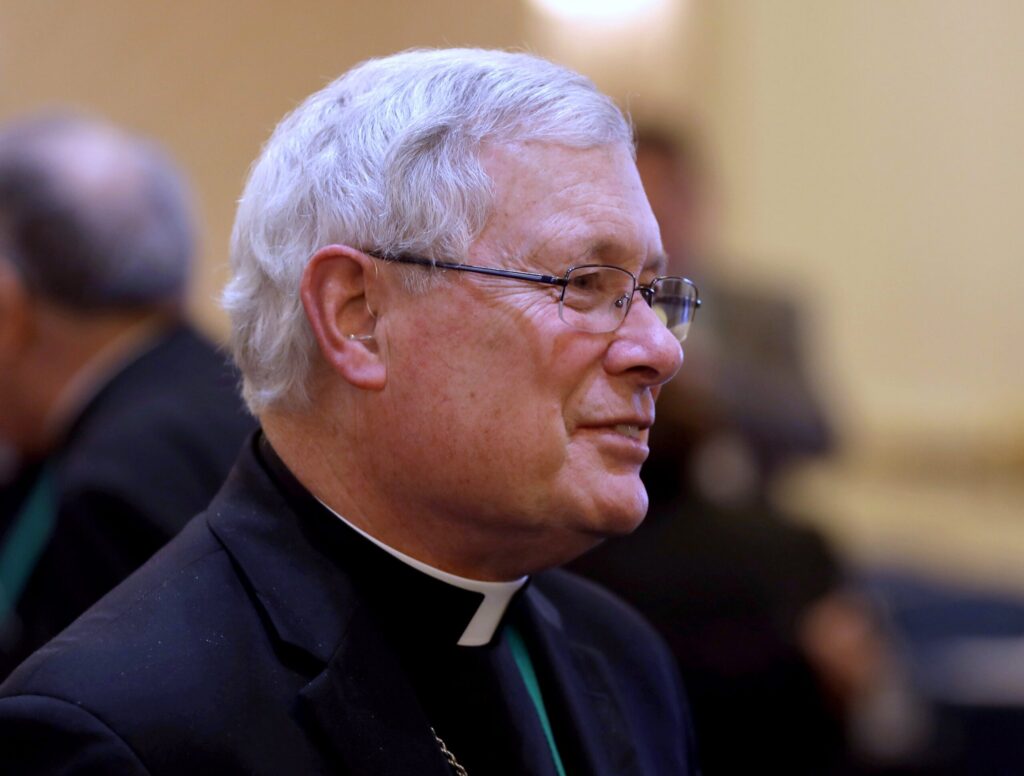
<point x="859" y="160"/>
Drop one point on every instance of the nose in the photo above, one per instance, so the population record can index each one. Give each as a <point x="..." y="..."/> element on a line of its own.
<point x="644" y="347"/>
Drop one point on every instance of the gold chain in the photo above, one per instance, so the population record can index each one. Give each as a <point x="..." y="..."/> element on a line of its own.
<point x="456" y="765"/>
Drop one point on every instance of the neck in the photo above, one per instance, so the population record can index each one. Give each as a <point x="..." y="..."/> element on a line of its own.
<point x="333" y="473"/>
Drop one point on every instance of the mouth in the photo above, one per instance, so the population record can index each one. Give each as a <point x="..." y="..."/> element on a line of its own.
<point x="634" y="427"/>
<point x="620" y="442"/>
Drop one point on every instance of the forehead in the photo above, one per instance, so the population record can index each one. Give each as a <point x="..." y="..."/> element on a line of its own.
<point x="555" y="206"/>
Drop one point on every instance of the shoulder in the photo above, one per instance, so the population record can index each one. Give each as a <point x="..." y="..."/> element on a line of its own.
<point x="593" y="618"/>
<point x="585" y="607"/>
<point x="173" y="625"/>
<point x="85" y="743"/>
<point x="174" y="656"/>
<point x="134" y="632"/>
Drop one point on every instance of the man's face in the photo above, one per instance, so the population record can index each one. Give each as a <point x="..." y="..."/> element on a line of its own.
<point x="514" y="431"/>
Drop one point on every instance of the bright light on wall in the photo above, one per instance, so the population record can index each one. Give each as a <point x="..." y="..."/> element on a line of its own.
<point x="598" y="10"/>
<point x="628" y="47"/>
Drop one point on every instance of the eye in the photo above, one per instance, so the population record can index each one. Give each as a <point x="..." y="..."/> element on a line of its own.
<point x="586" y="280"/>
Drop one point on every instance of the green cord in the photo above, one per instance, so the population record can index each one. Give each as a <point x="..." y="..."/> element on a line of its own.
<point x="26" y="540"/>
<point x="525" y="666"/>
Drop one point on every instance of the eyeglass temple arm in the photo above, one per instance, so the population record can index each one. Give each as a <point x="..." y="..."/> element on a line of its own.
<point x="508" y="273"/>
<point x="501" y="273"/>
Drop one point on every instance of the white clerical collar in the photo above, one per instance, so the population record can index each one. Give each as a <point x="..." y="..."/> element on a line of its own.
<point x="497" y="595"/>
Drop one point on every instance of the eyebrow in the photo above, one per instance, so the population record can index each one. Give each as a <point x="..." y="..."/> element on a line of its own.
<point x="658" y="264"/>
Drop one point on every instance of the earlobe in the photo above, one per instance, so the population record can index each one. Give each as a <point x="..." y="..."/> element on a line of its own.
<point x="336" y="287"/>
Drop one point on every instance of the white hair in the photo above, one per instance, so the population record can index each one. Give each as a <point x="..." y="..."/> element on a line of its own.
<point x="386" y="159"/>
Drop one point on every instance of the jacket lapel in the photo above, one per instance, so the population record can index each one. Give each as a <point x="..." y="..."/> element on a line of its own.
<point x="583" y="687"/>
<point x="363" y="710"/>
<point x="359" y="707"/>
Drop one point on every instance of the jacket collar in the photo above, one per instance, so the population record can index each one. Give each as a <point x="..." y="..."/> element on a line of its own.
<point x="305" y="596"/>
<point x="358" y="702"/>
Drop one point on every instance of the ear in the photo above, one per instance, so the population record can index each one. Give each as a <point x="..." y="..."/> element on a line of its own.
<point x="337" y="285"/>
<point x="15" y="315"/>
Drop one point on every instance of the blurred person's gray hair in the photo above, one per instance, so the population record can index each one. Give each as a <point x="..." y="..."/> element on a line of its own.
<point x="386" y="159"/>
<point x="92" y="218"/>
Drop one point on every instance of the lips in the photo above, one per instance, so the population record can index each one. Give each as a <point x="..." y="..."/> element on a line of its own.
<point x="633" y="427"/>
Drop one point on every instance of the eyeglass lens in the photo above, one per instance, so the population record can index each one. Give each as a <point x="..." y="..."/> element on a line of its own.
<point x="675" y="301"/>
<point x="597" y="298"/>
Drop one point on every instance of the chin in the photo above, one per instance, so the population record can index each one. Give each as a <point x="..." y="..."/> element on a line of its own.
<point x="625" y="526"/>
<point x="578" y="529"/>
<point x="622" y="514"/>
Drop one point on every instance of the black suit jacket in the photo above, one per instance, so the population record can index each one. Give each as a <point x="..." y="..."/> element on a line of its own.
<point x="244" y="647"/>
<point x="147" y="452"/>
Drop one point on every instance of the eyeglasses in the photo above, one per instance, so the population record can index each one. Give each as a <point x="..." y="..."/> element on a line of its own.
<point x="597" y="297"/>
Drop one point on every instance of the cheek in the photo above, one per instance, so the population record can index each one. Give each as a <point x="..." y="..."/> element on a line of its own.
<point x="499" y="415"/>
<point x="489" y="394"/>
<point x="511" y="422"/>
<point x="464" y="378"/>
<point x="606" y="500"/>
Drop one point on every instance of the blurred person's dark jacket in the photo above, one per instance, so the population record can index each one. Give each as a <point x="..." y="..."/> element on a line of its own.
<point x="149" y="450"/>
<point x="726" y="590"/>
<point x="124" y="420"/>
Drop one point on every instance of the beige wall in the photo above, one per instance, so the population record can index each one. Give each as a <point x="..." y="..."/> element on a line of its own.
<point x="211" y="79"/>
<point x="868" y="162"/>
<point x="872" y="155"/>
<point x="868" y="157"/>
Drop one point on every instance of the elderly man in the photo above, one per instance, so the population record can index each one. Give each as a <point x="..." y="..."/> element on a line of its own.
<point x="449" y="309"/>
<point x="124" y="419"/>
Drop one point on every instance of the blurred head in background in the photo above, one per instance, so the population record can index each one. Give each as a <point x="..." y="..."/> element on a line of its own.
<point x="746" y="408"/>
<point x="675" y="175"/>
<point x="96" y="241"/>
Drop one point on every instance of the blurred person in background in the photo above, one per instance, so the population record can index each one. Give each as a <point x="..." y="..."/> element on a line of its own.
<point x="779" y="655"/>
<point x="750" y="409"/>
<point x="121" y="418"/>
